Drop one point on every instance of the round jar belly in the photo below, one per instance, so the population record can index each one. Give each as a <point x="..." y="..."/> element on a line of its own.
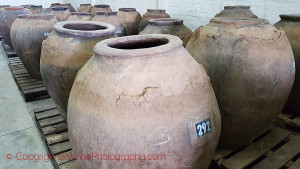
<point x="132" y="19"/>
<point x="251" y="67"/>
<point x="169" y="26"/>
<point x="152" y="14"/>
<point x="291" y="25"/>
<point x="15" y="27"/>
<point x="144" y="94"/>
<point x="236" y="12"/>
<point x="61" y="13"/>
<point x="65" y="51"/>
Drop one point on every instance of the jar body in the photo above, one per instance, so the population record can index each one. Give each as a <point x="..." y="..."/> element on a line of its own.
<point x="143" y="105"/>
<point x="252" y="70"/>
<point x="14" y="29"/>
<point x="152" y="14"/>
<point x="236" y="12"/>
<point x="292" y="30"/>
<point x="114" y="20"/>
<point x="132" y="21"/>
<point x="85" y="8"/>
<point x="61" y="15"/>
<point x="94" y="10"/>
<point x="69" y="6"/>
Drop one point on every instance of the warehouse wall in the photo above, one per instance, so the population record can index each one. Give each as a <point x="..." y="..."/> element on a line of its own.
<point x="45" y="3"/>
<point x="199" y="12"/>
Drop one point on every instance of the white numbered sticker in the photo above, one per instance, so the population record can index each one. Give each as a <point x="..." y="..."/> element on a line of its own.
<point x="203" y="127"/>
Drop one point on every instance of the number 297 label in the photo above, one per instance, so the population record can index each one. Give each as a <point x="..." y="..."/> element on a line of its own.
<point x="203" y="127"/>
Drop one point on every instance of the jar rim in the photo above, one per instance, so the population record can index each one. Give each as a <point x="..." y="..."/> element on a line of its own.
<point x="156" y="10"/>
<point x="165" y="22"/>
<point x="81" y="13"/>
<point x="239" y="21"/>
<point x="127" y="9"/>
<point x="295" y="17"/>
<point x="12" y="8"/>
<point x="101" y="6"/>
<point x="39" y="16"/>
<point x="237" y="7"/>
<point x="106" y="13"/>
<point x="59" y="8"/>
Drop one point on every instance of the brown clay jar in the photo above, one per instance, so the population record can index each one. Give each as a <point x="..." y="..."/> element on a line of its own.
<point x="131" y="18"/>
<point x="29" y="37"/>
<point x="35" y="9"/>
<point x="236" y="12"/>
<point x="85" y="8"/>
<point x="152" y="14"/>
<point x="61" y="13"/>
<point x="143" y="94"/>
<point x="113" y="19"/>
<point x="65" y="51"/>
<point x="7" y="17"/>
<point x="169" y="26"/>
<point x="251" y="67"/>
<point x="15" y="27"/>
<point x="100" y="8"/>
<point x="291" y="25"/>
<point x="69" y="6"/>
<point x="77" y="16"/>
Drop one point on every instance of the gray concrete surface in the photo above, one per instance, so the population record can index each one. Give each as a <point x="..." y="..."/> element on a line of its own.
<point x="18" y="134"/>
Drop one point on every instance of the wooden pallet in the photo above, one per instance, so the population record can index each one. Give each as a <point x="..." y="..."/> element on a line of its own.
<point x="9" y="52"/>
<point x="277" y="148"/>
<point x="31" y="89"/>
<point x="54" y="131"/>
<point x="290" y="121"/>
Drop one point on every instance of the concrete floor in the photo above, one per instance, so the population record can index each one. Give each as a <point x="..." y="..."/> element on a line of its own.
<point x="18" y="135"/>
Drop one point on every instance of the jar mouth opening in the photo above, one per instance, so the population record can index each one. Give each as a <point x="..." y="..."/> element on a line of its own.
<point x="101" y="6"/>
<point x="55" y="4"/>
<point x="137" y="45"/>
<point x="59" y="8"/>
<point x="81" y="13"/>
<point x="237" y="7"/>
<point x="84" y="4"/>
<point x="84" y="28"/>
<point x="23" y="16"/>
<point x="127" y="9"/>
<point x="105" y="13"/>
<point x="37" y="6"/>
<point x="156" y="10"/>
<point x="39" y="16"/>
<point x="239" y="21"/>
<point x="12" y="8"/>
<point x="294" y="17"/>
<point x="165" y="22"/>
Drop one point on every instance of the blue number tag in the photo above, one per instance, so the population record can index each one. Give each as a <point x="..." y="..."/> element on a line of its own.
<point x="203" y="127"/>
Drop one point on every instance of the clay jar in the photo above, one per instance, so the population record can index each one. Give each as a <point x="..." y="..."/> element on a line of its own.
<point x="61" y="13"/>
<point x="36" y="9"/>
<point x="143" y="94"/>
<point x="83" y="16"/>
<point x="2" y="7"/>
<point x="131" y="18"/>
<point x="29" y="37"/>
<point x="251" y="67"/>
<point x="7" y="17"/>
<point x="291" y="25"/>
<point x="65" y="51"/>
<point x="152" y="14"/>
<point x="85" y="8"/>
<point x="101" y="8"/>
<point x="113" y="19"/>
<point x="169" y="26"/>
<point x="15" y="27"/>
<point x="69" y="6"/>
<point x="236" y="12"/>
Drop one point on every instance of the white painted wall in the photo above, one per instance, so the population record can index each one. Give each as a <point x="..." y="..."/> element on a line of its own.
<point x="44" y="3"/>
<point x="193" y="12"/>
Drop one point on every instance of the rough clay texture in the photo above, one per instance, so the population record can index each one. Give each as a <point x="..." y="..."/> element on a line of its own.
<point x="95" y="10"/>
<point x="147" y="104"/>
<point x="61" y="15"/>
<point x="85" y="8"/>
<point x="29" y="38"/>
<point x="79" y="18"/>
<point x="7" y="17"/>
<point x="236" y="13"/>
<point x="151" y="15"/>
<point x="62" y="56"/>
<point x="13" y="30"/>
<point x="180" y="31"/>
<point x="292" y="30"/>
<point x="252" y="69"/>
<point x="132" y="21"/>
<point x="114" y="20"/>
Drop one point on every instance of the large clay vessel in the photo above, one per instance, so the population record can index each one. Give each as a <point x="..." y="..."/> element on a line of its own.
<point x="2" y="7"/>
<point x="131" y="18"/>
<point x="61" y="13"/>
<point x="101" y="8"/>
<point x="15" y="27"/>
<point x="169" y="26"/>
<point x="69" y="6"/>
<point x="65" y="51"/>
<point x="291" y="25"/>
<point x="80" y="16"/>
<point x="251" y="67"/>
<point x="36" y="9"/>
<point x="7" y="17"/>
<point x="143" y="94"/>
<point x="85" y="8"/>
<point x="113" y="19"/>
<point x="29" y="37"/>
<point x="152" y="14"/>
<point x="236" y="12"/>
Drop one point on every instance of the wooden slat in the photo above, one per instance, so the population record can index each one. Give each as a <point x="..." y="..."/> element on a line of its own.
<point x="60" y="147"/>
<point x="281" y="156"/>
<point x="68" y="156"/>
<point x="44" y="107"/>
<point x="70" y="165"/>
<point x="34" y="90"/>
<point x="46" y="114"/>
<point x="296" y="121"/>
<point x="29" y="81"/>
<point x="55" y="128"/>
<point x="31" y="86"/>
<point x="257" y="149"/>
<point x="57" y="138"/>
<point x="296" y="165"/>
<point x="51" y="121"/>
<point x="221" y="153"/>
